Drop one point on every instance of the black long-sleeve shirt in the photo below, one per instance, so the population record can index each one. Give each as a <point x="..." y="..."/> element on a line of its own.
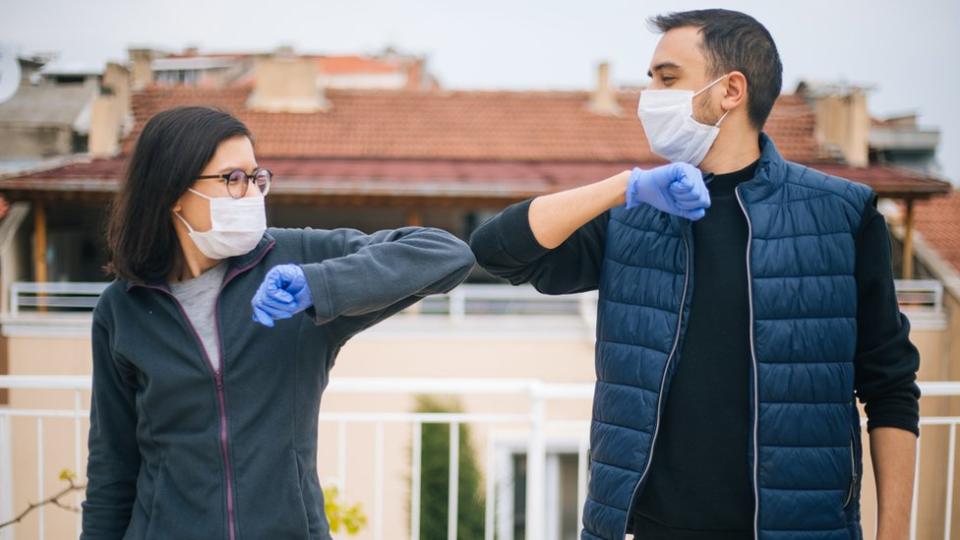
<point x="698" y="486"/>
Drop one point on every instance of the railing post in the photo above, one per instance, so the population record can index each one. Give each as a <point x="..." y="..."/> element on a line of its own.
<point x="453" y="482"/>
<point x="536" y="465"/>
<point x="14" y="298"/>
<point x="458" y="305"/>
<point x="588" y="310"/>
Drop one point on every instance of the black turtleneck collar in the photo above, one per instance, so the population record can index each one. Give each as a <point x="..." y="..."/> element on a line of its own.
<point x="725" y="184"/>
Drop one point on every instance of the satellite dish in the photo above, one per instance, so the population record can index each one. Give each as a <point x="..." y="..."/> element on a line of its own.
<point x="9" y="73"/>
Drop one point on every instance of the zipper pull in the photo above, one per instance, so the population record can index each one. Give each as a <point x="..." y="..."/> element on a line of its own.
<point x="219" y="379"/>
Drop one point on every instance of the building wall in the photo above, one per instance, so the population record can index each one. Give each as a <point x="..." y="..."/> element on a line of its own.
<point x="498" y="348"/>
<point x="484" y="355"/>
<point x="35" y="141"/>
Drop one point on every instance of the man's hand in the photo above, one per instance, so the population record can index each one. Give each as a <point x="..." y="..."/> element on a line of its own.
<point x="676" y="188"/>
<point x="282" y="294"/>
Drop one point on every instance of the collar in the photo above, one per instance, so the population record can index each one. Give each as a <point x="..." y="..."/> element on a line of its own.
<point x="235" y="265"/>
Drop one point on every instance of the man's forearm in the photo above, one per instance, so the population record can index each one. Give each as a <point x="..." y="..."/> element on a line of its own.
<point x="894" y="453"/>
<point x="554" y="217"/>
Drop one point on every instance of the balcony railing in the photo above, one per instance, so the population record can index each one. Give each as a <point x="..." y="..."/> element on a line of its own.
<point x="918" y="297"/>
<point x="538" y="429"/>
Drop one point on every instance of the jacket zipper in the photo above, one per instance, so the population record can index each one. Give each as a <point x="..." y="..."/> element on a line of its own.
<point x="853" y="474"/>
<point x="756" y="391"/>
<point x="218" y="379"/>
<point x="663" y="377"/>
<point x="221" y="400"/>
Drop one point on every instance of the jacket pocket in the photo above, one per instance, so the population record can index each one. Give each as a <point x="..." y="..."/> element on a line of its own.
<point x="155" y="501"/>
<point x="312" y="498"/>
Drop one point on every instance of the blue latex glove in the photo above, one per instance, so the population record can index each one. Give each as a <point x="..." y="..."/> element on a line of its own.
<point x="676" y="188"/>
<point x="282" y="294"/>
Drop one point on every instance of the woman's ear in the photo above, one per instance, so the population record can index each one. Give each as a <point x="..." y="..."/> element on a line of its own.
<point x="177" y="205"/>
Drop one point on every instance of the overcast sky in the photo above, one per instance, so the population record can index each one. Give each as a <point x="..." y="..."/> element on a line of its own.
<point x="907" y="50"/>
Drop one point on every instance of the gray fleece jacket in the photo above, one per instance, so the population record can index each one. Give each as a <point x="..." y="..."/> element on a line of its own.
<point x="180" y="450"/>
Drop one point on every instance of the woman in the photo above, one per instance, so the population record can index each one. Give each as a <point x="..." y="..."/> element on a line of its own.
<point x="206" y="377"/>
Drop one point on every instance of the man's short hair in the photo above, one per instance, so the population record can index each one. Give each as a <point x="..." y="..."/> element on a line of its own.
<point x="735" y="41"/>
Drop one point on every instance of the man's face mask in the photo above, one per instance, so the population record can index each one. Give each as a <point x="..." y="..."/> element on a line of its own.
<point x="236" y="226"/>
<point x="673" y="133"/>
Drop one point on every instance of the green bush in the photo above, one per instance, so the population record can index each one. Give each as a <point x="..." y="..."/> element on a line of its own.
<point x="434" y="478"/>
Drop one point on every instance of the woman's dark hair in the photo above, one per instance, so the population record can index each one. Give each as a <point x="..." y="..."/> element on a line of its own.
<point x="735" y="41"/>
<point x="172" y="150"/>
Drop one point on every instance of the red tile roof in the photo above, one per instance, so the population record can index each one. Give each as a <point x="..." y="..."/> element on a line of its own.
<point x="496" y="126"/>
<point x="348" y="65"/>
<point x="938" y="220"/>
<point x="429" y="178"/>
<point x="504" y="144"/>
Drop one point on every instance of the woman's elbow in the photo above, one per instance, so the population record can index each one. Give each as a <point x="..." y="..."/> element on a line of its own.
<point x="462" y="262"/>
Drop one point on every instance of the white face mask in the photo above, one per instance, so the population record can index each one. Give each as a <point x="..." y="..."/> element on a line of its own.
<point x="236" y="226"/>
<point x="673" y="133"/>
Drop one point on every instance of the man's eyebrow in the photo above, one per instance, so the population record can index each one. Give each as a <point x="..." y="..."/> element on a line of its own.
<point x="661" y="66"/>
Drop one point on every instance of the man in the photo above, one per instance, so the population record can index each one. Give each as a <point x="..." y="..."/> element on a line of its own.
<point x="738" y="316"/>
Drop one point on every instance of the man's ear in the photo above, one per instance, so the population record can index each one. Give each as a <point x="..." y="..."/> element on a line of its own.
<point x="736" y="93"/>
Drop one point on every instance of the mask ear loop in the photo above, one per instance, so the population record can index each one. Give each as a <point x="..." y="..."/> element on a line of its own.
<point x="707" y="87"/>
<point x="198" y="194"/>
<point x="181" y="218"/>
<point x="725" y="113"/>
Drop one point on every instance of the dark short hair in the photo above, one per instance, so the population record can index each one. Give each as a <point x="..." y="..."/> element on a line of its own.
<point x="171" y="151"/>
<point x="735" y="41"/>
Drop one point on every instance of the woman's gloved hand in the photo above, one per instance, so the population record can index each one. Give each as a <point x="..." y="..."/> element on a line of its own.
<point x="282" y="294"/>
<point x="677" y="189"/>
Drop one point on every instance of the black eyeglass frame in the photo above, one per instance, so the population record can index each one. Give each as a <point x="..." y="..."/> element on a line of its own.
<point x="235" y="176"/>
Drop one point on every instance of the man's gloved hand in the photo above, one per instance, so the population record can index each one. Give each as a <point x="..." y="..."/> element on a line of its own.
<point x="676" y="188"/>
<point x="282" y="294"/>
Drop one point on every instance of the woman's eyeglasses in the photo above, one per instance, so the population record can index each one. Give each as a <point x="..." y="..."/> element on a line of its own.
<point x="238" y="181"/>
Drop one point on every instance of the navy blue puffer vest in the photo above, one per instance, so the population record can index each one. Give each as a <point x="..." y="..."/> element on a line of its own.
<point x="805" y="444"/>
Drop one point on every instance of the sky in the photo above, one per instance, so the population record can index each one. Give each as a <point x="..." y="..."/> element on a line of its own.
<point x="906" y="51"/>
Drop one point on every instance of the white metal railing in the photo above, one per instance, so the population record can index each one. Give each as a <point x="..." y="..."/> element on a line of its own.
<point x="467" y="299"/>
<point x="914" y="295"/>
<point x="920" y="295"/>
<point x="54" y="296"/>
<point x="533" y="418"/>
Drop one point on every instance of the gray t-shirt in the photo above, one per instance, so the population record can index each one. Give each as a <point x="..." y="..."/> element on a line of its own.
<point x="198" y="296"/>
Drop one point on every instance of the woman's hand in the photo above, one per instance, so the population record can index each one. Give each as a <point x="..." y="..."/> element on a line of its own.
<point x="282" y="294"/>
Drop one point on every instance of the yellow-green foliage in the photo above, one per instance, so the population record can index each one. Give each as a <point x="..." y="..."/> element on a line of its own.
<point x="348" y="518"/>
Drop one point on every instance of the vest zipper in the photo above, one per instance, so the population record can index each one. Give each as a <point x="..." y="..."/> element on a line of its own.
<point x="753" y="360"/>
<point x="663" y="377"/>
<point x="853" y="473"/>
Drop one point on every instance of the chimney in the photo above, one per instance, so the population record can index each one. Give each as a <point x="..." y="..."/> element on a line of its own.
<point x="118" y="79"/>
<point x="286" y="83"/>
<point x="415" y="69"/>
<point x="110" y="112"/>
<point x="842" y="119"/>
<point x="141" y="68"/>
<point x="105" y="124"/>
<point x="603" y="100"/>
